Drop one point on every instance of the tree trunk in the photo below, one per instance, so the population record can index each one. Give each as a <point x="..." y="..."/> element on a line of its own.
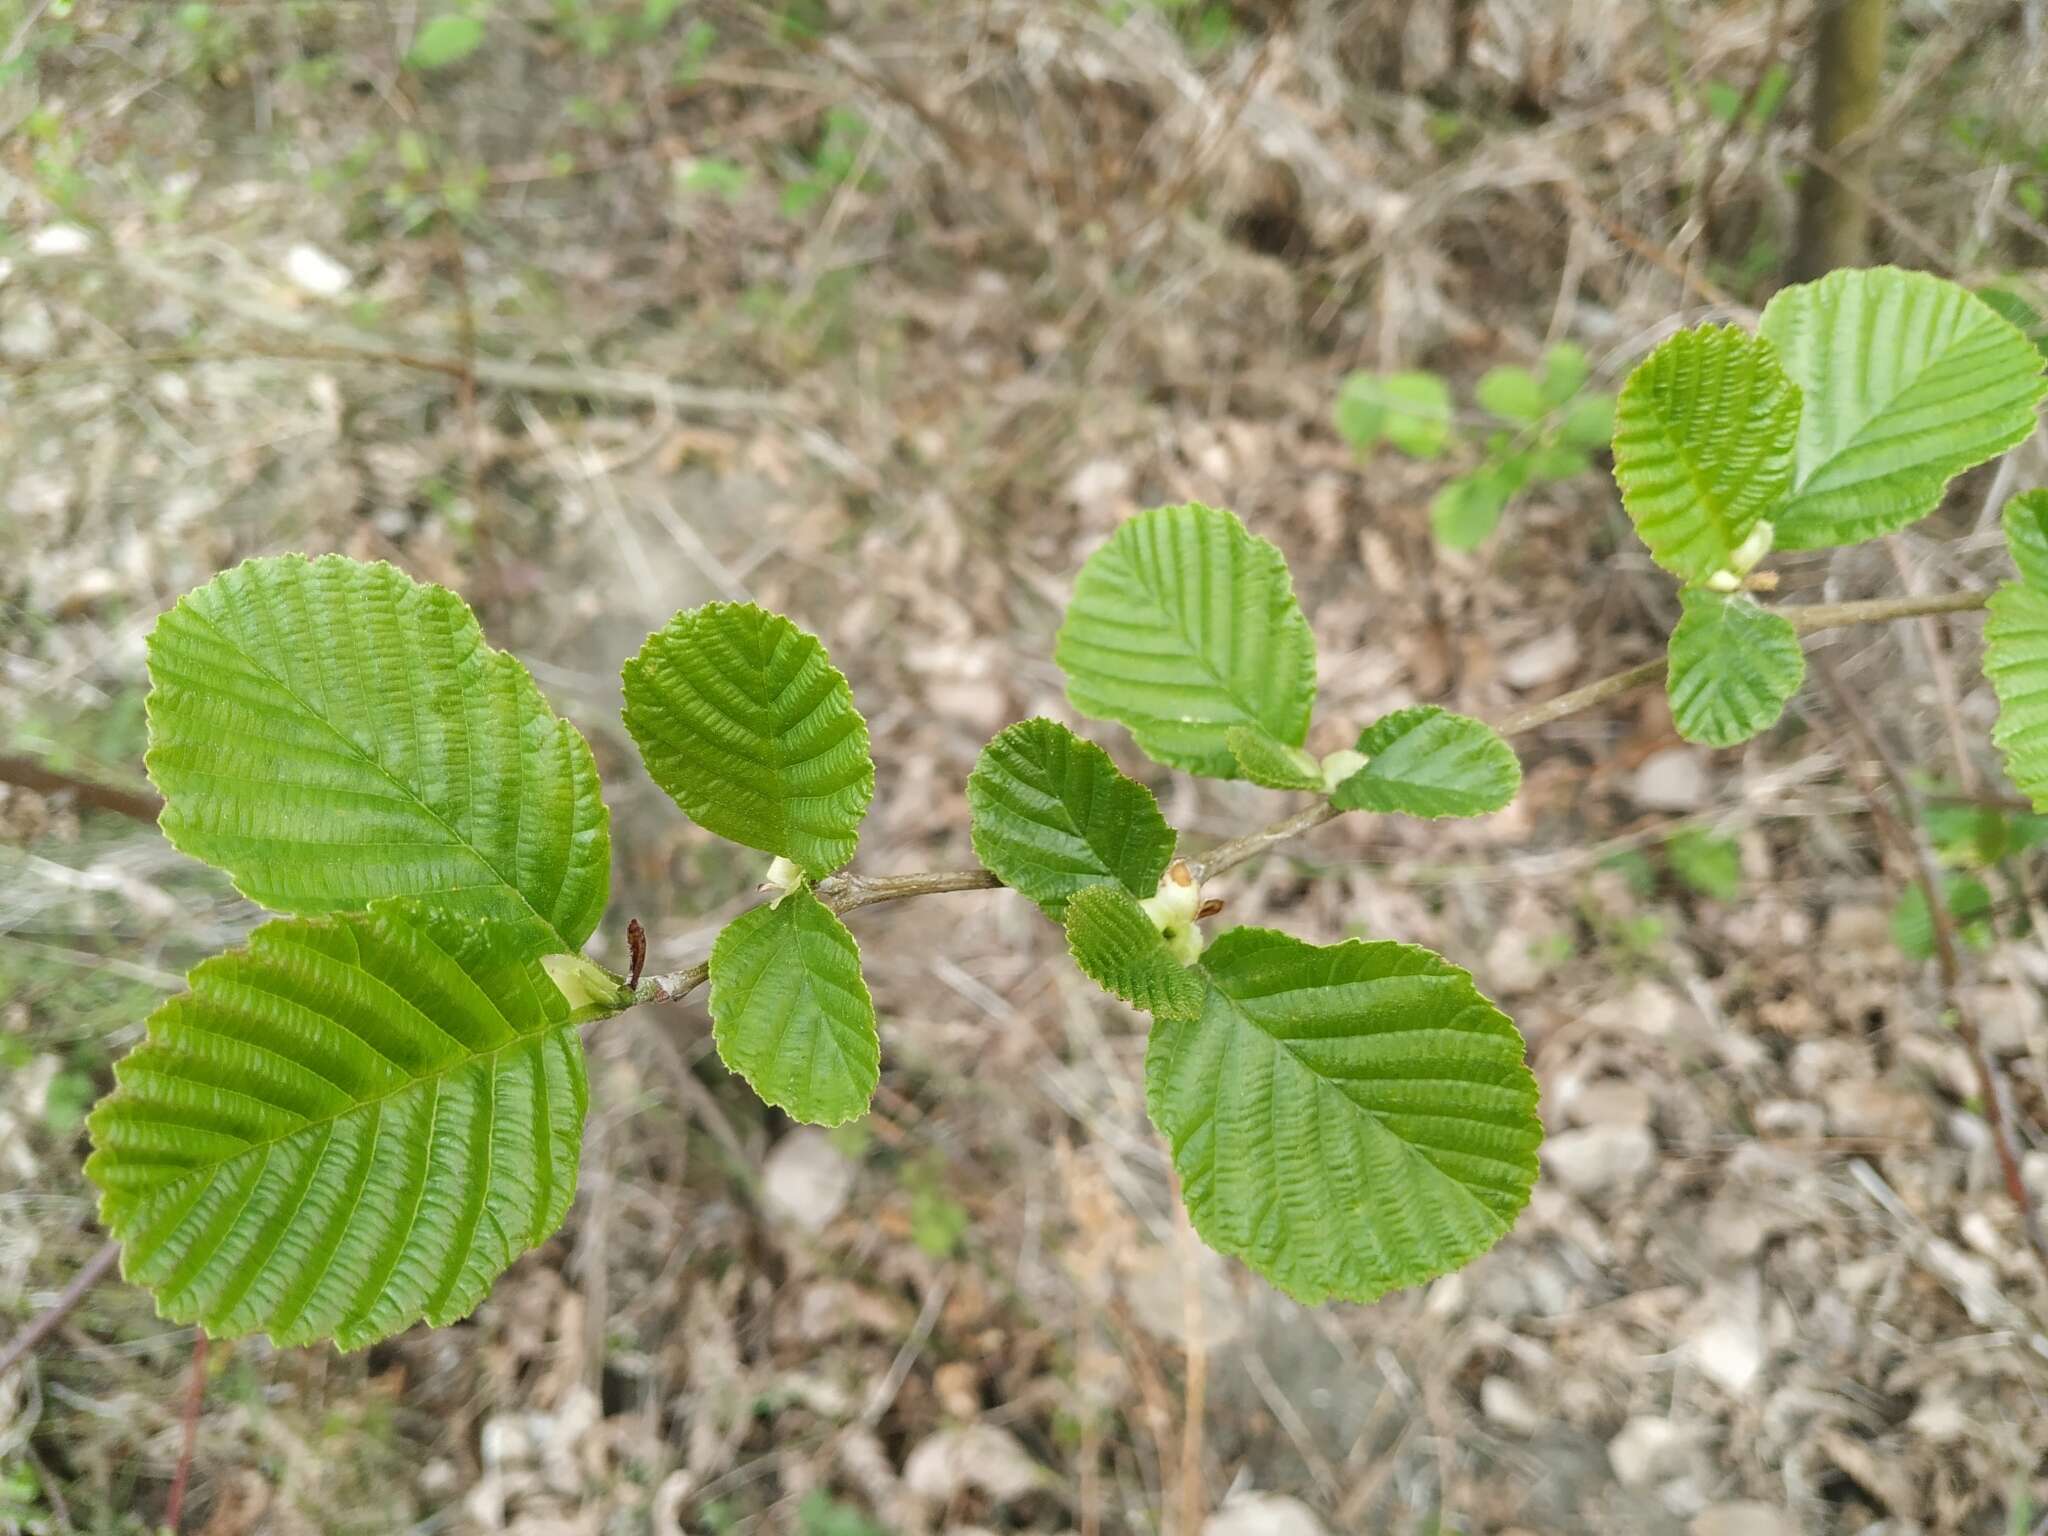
<point x="1848" y="70"/>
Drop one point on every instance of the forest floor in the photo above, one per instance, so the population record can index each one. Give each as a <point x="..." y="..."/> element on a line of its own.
<point x="884" y="316"/>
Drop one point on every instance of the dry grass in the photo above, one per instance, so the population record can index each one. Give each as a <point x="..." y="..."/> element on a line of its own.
<point x="1077" y="262"/>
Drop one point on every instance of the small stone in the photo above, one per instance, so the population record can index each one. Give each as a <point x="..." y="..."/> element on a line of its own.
<point x="1597" y="1158"/>
<point x="1790" y="1120"/>
<point x="1674" y="779"/>
<point x="29" y="333"/>
<point x="1730" y="1353"/>
<point x="1647" y="1008"/>
<point x="1099" y="487"/>
<point x="1611" y="1104"/>
<point x="806" y="1180"/>
<point x="1508" y="1406"/>
<point x="957" y="1388"/>
<point x="1742" y="1517"/>
<point x="1541" y="661"/>
<point x="980" y="1456"/>
<point x="2008" y="1017"/>
<point x="316" y="272"/>
<point x="1263" y="1514"/>
<point x="60" y="240"/>
<point x="1649" y="1451"/>
<point x="1871" y="1108"/>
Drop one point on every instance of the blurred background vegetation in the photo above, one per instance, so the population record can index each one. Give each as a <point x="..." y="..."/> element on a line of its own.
<point x="884" y="314"/>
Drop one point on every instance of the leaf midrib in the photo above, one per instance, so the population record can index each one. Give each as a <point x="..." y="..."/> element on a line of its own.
<point x="411" y="793"/>
<point x="1325" y="1084"/>
<point x="1172" y="621"/>
<point x="1849" y="443"/>
<point x="435" y="1076"/>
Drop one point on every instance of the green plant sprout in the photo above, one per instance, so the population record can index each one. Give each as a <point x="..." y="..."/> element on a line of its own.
<point x="1553" y="424"/>
<point x="358" y="1119"/>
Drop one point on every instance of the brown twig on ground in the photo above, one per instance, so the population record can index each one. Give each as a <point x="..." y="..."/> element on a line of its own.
<point x="27" y="773"/>
<point x="45" y="1323"/>
<point x="195" y="1397"/>
<point x="1194" y="1502"/>
<point x="1906" y="828"/>
<point x="1700" y="221"/>
<point x="845" y="893"/>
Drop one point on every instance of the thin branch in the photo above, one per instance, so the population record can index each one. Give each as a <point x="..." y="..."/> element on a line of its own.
<point x="1907" y="829"/>
<point x="195" y="1397"/>
<point x="46" y="1322"/>
<point x="27" y="773"/>
<point x="846" y="892"/>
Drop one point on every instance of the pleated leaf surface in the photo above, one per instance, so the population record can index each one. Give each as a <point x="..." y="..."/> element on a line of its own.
<point x="743" y="719"/>
<point x="1704" y="432"/>
<point x="350" y="1125"/>
<point x="790" y="1012"/>
<point x="1052" y="815"/>
<point x="1346" y="1119"/>
<point x="1733" y="666"/>
<point x="1183" y="625"/>
<point x="333" y="733"/>
<point x="1908" y="380"/>
<point x="1117" y="947"/>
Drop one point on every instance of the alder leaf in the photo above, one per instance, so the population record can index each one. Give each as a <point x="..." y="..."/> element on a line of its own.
<point x="2026" y="536"/>
<point x="332" y="733"/>
<point x="350" y="1125"/>
<point x="790" y="1012"/>
<point x="1117" y="947"/>
<point x="1183" y="625"/>
<point x="1733" y="666"/>
<point x="1427" y="761"/>
<point x="743" y="719"/>
<point x="1052" y="815"/>
<point x="1704" y="433"/>
<point x="1412" y="411"/>
<point x="1908" y="381"/>
<point x="2016" y="661"/>
<point x="1346" y="1119"/>
<point x="445" y="40"/>
<point x="1272" y="763"/>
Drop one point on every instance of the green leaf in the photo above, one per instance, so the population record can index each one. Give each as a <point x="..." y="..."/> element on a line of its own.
<point x="1426" y="761"/>
<point x="1183" y="625"/>
<point x="1703" y="441"/>
<point x="444" y="41"/>
<point x="348" y="1126"/>
<point x="1908" y="380"/>
<point x="1733" y="666"/>
<point x="2016" y="661"/>
<point x="1512" y="394"/>
<point x="1557" y="461"/>
<point x="1052" y="815"/>
<point x="1709" y="865"/>
<point x="2026" y="536"/>
<point x="1117" y="947"/>
<point x="1272" y="763"/>
<point x="1565" y="371"/>
<point x="1969" y="904"/>
<point x="1589" y="423"/>
<point x="746" y="723"/>
<point x="1468" y="509"/>
<point x="1345" y="1119"/>
<point x="2011" y="307"/>
<point x="331" y="733"/>
<point x="790" y="1012"/>
<point x="1410" y="410"/>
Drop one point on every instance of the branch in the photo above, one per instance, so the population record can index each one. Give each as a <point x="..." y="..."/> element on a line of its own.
<point x="30" y="774"/>
<point x="45" y="1323"/>
<point x="845" y="892"/>
<point x="1908" y="830"/>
